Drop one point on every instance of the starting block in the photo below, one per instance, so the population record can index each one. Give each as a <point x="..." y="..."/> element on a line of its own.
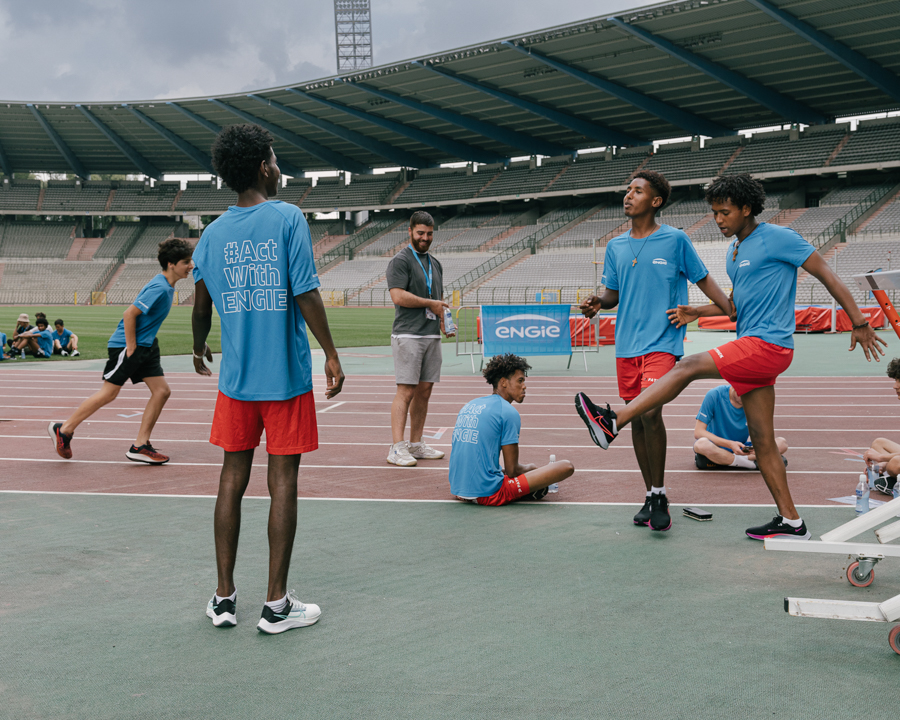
<point x="878" y="283"/>
<point x="860" y="573"/>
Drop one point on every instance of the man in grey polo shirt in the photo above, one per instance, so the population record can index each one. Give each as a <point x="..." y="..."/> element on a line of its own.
<point x="415" y="280"/>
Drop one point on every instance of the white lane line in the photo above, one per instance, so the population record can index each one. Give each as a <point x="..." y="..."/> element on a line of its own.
<point x="330" y="407"/>
<point x="169" y="496"/>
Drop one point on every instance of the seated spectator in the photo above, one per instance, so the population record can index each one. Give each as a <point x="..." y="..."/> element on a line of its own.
<point x="489" y="426"/>
<point x="65" y="342"/>
<point x="884" y="455"/>
<point x="39" y="340"/>
<point x="3" y="353"/>
<point x="22" y="325"/>
<point x="721" y="433"/>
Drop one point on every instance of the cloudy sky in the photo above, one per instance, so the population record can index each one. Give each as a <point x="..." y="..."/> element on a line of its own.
<point x="100" y="50"/>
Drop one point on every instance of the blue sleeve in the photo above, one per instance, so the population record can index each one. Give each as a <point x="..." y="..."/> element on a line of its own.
<point x="149" y="296"/>
<point x="512" y="423"/>
<point x="301" y="264"/>
<point x="707" y="408"/>
<point x="790" y="247"/>
<point x="691" y="264"/>
<point x="610" y="273"/>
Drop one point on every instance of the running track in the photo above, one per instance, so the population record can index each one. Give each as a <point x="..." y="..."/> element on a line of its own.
<point x="827" y="421"/>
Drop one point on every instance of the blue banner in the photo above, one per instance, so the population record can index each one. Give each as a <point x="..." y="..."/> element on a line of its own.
<point x="526" y="330"/>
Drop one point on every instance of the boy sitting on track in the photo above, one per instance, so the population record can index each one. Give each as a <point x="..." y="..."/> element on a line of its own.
<point x="721" y="434"/>
<point x="762" y="263"/>
<point x="489" y="425"/>
<point x="134" y="355"/>
<point x="884" y="455"/>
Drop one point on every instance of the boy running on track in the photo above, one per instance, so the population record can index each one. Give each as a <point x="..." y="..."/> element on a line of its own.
<point x="134" y="355"/>
<point x="255" y="264"/>
<point x="762" y="263"/>
<point x="489" y="426"/>
<point x="646" y="272"/>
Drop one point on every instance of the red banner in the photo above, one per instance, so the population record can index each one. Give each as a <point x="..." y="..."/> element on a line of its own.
<point x="808" y="319"/>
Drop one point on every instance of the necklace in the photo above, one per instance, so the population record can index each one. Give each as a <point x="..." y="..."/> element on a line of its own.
<point x="634" y="262"/>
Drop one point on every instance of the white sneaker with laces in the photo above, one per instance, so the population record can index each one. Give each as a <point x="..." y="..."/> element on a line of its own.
<point x="75" y="353"/>
<point x="294" y="614"/>
<point x="64" y="353"/>
<point x="423" y="451"/>
<point x="399" y="455"/>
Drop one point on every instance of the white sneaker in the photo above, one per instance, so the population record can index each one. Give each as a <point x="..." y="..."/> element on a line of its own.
<point x="294" y="614"/>
<point x="64" y="353"/>
<point x="422" y="451"/>
<point x="399" y="455"/>
<point x="75" y="353"/>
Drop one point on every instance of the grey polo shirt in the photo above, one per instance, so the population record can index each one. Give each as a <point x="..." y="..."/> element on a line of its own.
<point x="404" y="272"/>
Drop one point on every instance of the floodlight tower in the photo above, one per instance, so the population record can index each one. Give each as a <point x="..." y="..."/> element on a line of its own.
<point x="353" y="30"/>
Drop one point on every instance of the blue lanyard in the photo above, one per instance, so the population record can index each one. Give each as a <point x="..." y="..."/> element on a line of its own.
<point x="426" y="274"/>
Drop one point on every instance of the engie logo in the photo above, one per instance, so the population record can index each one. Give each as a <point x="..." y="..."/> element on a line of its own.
<point x="744" y="263"/>
<point x="527" y="326"/>
<point x="660" y="261"/>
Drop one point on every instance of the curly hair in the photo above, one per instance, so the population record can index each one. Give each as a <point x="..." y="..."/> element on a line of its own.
<point x="503" y="366"/>
<point x="893" y="369"/>
<point x="741" y="190"/>
<point x="237" y="152"/>
<point x="173" y="250"/>
<point x="658" y="182"/>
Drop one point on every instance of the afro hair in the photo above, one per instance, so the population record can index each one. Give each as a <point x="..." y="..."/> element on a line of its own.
<point x="237" y="153"/>
<point x="740" y="190"/>
<point x="503" y="366"/>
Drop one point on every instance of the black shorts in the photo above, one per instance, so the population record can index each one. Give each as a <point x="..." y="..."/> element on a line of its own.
<point x="143" y="363"/>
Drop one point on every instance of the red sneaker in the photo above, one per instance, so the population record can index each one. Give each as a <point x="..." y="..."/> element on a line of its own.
<point x="61" y="439"/>
<point x="146" y="454"/>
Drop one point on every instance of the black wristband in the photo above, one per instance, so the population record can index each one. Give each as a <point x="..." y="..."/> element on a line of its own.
<point x="861" y="325"/>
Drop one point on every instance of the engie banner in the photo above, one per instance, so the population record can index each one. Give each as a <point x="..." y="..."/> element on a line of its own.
<point x="526" y="330"/>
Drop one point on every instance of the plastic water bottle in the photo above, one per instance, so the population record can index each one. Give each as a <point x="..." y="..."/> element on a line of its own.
<point x="449" y="325"/>
<point x="862" y="495"/>
<point x="554" y="488"/>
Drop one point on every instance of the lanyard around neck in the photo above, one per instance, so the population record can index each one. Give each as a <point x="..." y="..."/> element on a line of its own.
<point x="427" y="275"/>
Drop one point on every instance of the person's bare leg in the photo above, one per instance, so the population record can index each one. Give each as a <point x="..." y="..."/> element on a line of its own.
<point x="282" y="480"/>
<point x="714" y="453"/>
<point x="103" y="396"/>
<point x="669" y="386"/>
<point x="227" y="520"/>
<point x="159" y="394"/>
<point x="759" y="406"/>
<point x="650" y="447"/>
<point x="545" y="476"/>
<point x="418" y="410"/>
<point x="399" y="411"/>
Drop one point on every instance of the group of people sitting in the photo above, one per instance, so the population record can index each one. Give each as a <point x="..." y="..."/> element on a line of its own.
<point x="38" y="340"/>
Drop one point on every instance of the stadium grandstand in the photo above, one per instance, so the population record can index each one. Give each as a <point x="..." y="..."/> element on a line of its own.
<point x="520" y="147"/>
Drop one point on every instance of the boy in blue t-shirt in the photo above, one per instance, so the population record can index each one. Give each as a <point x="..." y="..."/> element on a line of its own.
<point x="65" y="342"/>
<point x="39" y="340"/>
<point x="722" y="439"/>
<point x="645" y="272"/>
<point x="134" y="355"/>
<point x="488" y="427"/>
<point x="762" y="263"/>
<point x="255" y="265"/>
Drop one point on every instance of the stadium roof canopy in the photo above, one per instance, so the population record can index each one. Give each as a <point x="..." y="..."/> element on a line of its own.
<point x="699" y="67"/>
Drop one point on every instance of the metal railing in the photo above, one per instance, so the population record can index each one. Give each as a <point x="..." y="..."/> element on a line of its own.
<point x="345" y="248"/>
<point x="839" y="226"/>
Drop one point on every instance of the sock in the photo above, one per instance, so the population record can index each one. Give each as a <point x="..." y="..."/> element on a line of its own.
<point x="276" y="604"/>
<point x="658" y="490"/>
<point x="793" y="523"/>
<point x="231" y="597"/>
<point x="416" y="444"/>
<point x="742" y="461"/>
<point x="649" y="493"/>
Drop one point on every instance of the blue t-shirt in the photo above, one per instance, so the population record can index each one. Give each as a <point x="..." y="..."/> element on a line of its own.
<point x="154" y="301"/>
<point x="764" y="277"/>
<point x="44" y="340"/>
<point x="721" y="417"/>
<point x="483" y="426"/>
<point x="656" y="283"/>
<point x="2" y="344"/>
<point x="63" y="338"/>
<point x="254" y="261"/>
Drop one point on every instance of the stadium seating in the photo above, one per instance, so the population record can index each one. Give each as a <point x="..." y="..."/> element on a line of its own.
<point x="36" y="239"/>
<point x="875" y="141"/>
<point x="596" y="170"/>
<point x="521" y="178"/>
<point x="200" y="195"/>
<point x="853" y="258"/>
<point x="117" y="238"/>
<point x="682" y="161"/>
<point x="138" y="273"/>
<point x="441" y="184"/>
<point x="49" y="281"/>
<point x="66" y="196"/>
<point x="137" y="197"/>
<point x="362" y="191"/>
<point x="147" y="245"/>
<point x="774" y="151"/>
<point x="20" y="194"/>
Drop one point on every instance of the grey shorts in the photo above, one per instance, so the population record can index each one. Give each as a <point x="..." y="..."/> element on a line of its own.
<point x="416" y="360"/>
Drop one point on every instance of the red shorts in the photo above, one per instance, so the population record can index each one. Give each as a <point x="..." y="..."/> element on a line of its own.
<point x="749" y="363"/>
<point x="511" y="489"/>
<point x="290" y="424"/>
<point x="637" y="373"/>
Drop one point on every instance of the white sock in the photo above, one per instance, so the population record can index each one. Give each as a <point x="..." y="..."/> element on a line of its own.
<point x="649" y="493"/>
<point x="658" y="490"/>
<point x="742" y="461"/>
<point x="416" y="444"/>
<point x="231" y="597"/>
<point x="793" y="523"/>
<point x="276" y="604"/>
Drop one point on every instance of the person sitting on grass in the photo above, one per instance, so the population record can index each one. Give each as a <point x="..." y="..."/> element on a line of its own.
<point x="489" y="426"/>
<point x="884" y="455"/>
<point x="3" y="354"/>
<point x="134" y="355"/>
<point x="65" y="342"/>
<point x="38" y="341"/>
<point x="721" y="433"/>
<point x="23" y="324"/>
